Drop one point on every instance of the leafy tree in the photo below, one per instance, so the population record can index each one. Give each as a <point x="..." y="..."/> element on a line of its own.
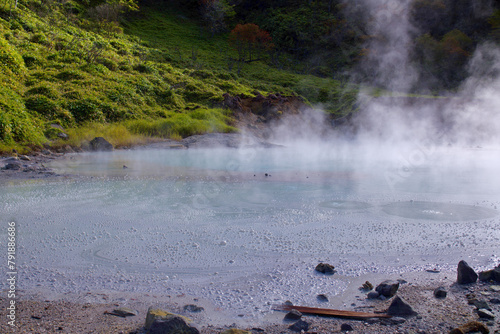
<point x="249" y="38"/>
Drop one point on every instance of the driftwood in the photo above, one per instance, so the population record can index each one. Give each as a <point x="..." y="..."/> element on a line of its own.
<point x="331" y="312"/>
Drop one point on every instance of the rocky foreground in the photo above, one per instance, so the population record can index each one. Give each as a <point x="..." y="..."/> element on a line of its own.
<point x="467" y="303"/>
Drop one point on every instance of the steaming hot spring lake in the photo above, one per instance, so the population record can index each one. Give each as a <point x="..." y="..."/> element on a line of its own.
<point x="209" y="223"/>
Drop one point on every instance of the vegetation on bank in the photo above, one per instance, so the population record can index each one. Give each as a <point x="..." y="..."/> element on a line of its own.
<point x="158" y="73"/>
<point x="136" y="70"/>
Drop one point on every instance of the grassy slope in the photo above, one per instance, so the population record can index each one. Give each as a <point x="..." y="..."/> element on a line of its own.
<point x="163" y="77"/>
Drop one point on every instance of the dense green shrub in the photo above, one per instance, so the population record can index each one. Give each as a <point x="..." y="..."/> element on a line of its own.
<point x="202" y="93"/>
<point x="43" y="106"/>
<point x="70" y="75"/>
<point x="169" y="99"/>
<point x="43" y="89"/>
<point x="109" y="64"/>
<point x="10" y="59"/>
<point x="146" y="67"/>
<point x="86" y="110"/>
<point x="73" y="95"/>
<point x="31" y="61"/>
<point x="40" y="38"/>
<point x="17" y="125"/>
<point x="202" y="74"/>
<point x="52" y="132"/>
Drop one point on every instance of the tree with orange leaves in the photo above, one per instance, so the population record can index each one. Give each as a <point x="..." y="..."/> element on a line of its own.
<point x="249" y="38"/>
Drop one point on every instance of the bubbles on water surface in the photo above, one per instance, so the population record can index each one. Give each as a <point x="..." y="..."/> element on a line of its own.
<point x="438" y="211"/>
<point x="345" y="205"/>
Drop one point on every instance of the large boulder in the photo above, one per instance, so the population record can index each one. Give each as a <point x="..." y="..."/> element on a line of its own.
<point x="172" y="325"/>
<point x="400" y="308"/>
<point x="156" y="314"/>
<point x="387" y="288"/>
<point x="100" y="144"/>
<point x="465" y="273"/>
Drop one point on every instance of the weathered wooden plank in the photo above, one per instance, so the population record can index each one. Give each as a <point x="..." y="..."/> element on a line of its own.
<point x="331" y="312"/>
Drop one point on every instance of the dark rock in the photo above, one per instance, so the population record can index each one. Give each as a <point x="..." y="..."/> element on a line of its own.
<point x="485" y="275"/>
<point x="288" y="303"/>
<point x="367" y="286"/>
<point x="495" y="300"/>
<point x="299" y="326"/>
<point x="372" y="321"/>
<point x="399" y="307"/>
<point x="13" y="165"/>
<point x="486" y="314"/>
<point x="100" y="144"/>
<point x="388" y="288"/>
<point x="398" y="320"/>
<point x="124" y="312"/>
<point x="490" y="275"/>
<point x="471" y="327"/>
<point x="373" y="295"/>
<point x="322" y="298"/>
<point x="293" y="315"/>
<point x="173" y="325"/>
<point x="193" y="308"/>
<point x="440" y="292"/>
<point x="480" y="304"/>
<point x="325" y="268"/>
<point x="346" y="327"/>
<point x="465" y="274"/>
<point x="155" y="314"/>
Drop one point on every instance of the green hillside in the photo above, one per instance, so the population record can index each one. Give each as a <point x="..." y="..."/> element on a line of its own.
<point x="135" y="71"/>
<point x="156" y="74"/>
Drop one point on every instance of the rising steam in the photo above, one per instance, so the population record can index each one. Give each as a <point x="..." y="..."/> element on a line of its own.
<point x="469" y="117"/>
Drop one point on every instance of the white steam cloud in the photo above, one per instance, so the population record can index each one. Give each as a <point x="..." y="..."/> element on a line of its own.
<point x="470" y="117"/>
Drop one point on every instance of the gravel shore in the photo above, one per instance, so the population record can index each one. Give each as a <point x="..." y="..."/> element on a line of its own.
<point x="434" y="315"/>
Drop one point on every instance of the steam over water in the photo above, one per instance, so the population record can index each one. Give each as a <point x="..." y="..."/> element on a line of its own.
<point x="210" y="224"/>
<point x="416" y="188"/>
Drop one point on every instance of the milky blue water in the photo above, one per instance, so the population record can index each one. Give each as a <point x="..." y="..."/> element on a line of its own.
<point x="211" y="223"/>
